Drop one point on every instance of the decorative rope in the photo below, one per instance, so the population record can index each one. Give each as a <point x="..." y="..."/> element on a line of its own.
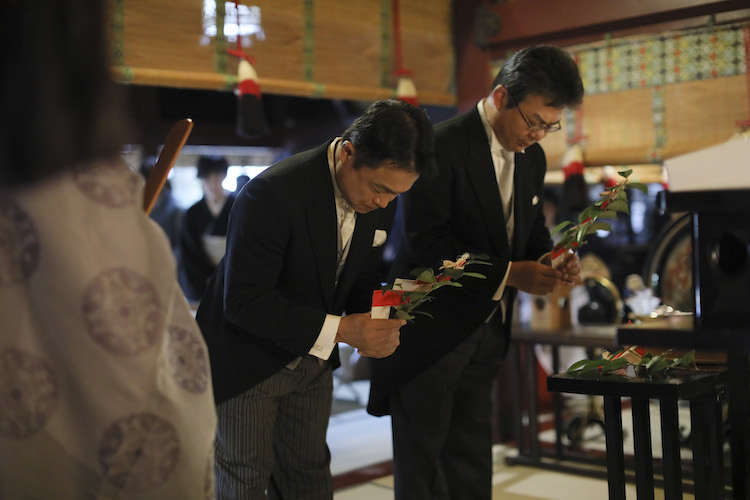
<point x="658" y="112"/>
<point x="745" y="124"/>
<point x="308" y="41"/>
<point x="405" y="89"/>
<point x="385" y="42"/>
<point x="220" y="42"/>
<point x="118" y="29"/>
<point x="396" y="15"/>
<point x="239" y="51"/>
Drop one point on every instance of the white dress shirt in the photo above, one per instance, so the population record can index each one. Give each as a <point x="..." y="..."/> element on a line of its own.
<point x="504" y="164"/>
<point x="347" y="217"/>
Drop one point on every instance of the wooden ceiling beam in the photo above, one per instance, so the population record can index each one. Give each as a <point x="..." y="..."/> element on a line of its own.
<point x="513" y="23"/>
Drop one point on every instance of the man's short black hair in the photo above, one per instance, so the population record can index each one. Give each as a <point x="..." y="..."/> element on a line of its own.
<point x="542" y="70"/>
<point x="211" y="164"/>
<point x="393" y="130"/>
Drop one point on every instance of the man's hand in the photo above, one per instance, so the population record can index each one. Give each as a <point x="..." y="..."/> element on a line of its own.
<point x="534" y="277"/>
<point x="374" y="338"/>
<point x="571" y="268"/>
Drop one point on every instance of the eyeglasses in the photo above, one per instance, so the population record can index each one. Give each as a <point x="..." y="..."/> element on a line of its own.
<point x="548" y="128"/>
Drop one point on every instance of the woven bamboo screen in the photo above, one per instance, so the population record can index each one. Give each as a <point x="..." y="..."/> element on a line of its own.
<point x="316" y="48"/>
<point x="654" y="97"/>
<point x="703" y="113"/>
<point x="618" y="127"/>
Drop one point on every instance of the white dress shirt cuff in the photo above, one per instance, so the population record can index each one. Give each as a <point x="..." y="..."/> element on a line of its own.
<point x="501" y="289"/>
<point x="323" y="346"/>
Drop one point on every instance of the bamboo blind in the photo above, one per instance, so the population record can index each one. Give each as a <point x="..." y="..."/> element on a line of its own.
<point x="618" y="127"/>
<point x="703" y="113"/>
<point x="315" y="48"/>
<point x="654" y="97"/>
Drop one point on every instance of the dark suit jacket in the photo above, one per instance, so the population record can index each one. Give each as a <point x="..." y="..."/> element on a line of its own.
<point x="267" y="301"/>
<point x="195" y="265"/>
<point x="460" y="211"/>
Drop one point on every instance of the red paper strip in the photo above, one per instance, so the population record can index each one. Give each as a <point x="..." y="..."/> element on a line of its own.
<point x="387" y="298"/>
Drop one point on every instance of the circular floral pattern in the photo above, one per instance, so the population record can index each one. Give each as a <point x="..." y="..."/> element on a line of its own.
<point x="112" y="184"/>
<point x="188" y="360"/>
<point x="123" y="312"/>
<point x="209" y="482"/>
<point x="139" y="452"/>
<point x="28" y="393"/>
<point x="19" y="244"/>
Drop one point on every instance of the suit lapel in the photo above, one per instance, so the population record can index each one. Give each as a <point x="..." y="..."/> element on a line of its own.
<point x="482" y="174"/>
<point x="321" y="213"/>
<point x="358" y="254"/>
<point x="522" y="189"/>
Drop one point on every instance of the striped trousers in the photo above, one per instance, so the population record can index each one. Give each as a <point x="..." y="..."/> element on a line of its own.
<point x="271" y="440"/>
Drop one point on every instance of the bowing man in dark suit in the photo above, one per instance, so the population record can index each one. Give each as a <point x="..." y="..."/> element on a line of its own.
<point x="486" y="199"/>
<point x="303" y="247"/>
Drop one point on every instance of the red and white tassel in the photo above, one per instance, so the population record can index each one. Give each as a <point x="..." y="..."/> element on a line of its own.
<point x="406" y="91"/>
<point x="251" y="121"/>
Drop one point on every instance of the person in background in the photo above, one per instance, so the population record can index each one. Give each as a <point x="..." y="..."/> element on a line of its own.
<point x="105" y="387"/>
<point x="487" y="199"/>
<point x="166" y="211"/>
<point x="242" y="179"/>
<point x="204" y="229"/>
<point x="303" y="253"/>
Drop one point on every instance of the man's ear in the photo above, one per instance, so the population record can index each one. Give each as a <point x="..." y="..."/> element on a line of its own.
<point x="500" y="96"/>
<point x="347" y="148"/>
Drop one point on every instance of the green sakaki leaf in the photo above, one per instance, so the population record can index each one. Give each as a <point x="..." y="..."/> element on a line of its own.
<point x="578" y="365"/>
<point x="688" y="359"/>
<point x="453" y="273"/>
<point x="419" y="270"/>
<point x="614" y="364"/>
<point x="476" y="275"/>
<point x="618" y="206"/>
<point x="588" y="212"/>
<point x="482" y="262"/>
<point x="638" y="185"/>
<point x="599" y="225"/>
<point x="401" y="314"/>
<point x="561" y="226"/>
<point x="626" y="173"/>
<point x="607" y="214"/>
<point x="427" y="276"/>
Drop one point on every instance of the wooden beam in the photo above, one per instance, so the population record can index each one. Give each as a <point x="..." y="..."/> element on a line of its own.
<point x="473" y="79"/>
<point x="520" y="23"/>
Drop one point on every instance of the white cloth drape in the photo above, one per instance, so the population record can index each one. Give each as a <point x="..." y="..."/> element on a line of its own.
<point x="105" y="387"/>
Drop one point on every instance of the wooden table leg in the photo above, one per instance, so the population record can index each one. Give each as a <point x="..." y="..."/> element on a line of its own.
<point x="705" y="414"/>
<point x="671" y="450"/>
<point x="615" y="453"/>
<point x="739" y="431"/>
<point x="533" y="403"/>
<point x="644" y="466"/>
<point x="716" y="443"/>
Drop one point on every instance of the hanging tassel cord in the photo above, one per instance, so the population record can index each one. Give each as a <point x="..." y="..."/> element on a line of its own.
<point x="745" y="124"/>
<point x="400" y="70"/>
<point x="239" y="52"/>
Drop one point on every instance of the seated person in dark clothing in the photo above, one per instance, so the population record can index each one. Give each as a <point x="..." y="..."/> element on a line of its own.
<point x="166" y="211"/>
<point x="204" y="231"/>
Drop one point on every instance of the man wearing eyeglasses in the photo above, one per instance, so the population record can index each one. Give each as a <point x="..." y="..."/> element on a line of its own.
<point x="487" y="199"/>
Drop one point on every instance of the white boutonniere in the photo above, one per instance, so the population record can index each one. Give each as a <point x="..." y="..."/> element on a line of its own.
<point x="379" y="238"/>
